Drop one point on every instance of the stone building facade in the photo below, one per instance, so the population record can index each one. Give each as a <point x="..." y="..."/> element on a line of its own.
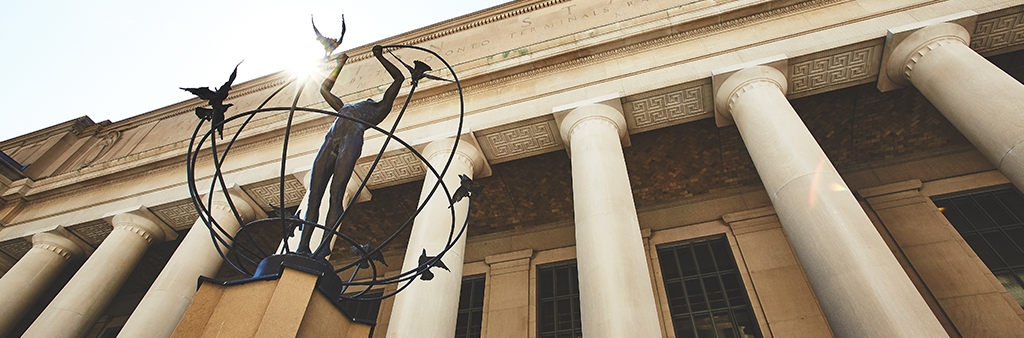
<point x="651" y="168"/>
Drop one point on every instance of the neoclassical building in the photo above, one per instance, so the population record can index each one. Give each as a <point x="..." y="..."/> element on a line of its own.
<point x="651" y="168"/>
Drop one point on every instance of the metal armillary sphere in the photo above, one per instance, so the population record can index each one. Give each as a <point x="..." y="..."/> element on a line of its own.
<point x="269" y="264"/>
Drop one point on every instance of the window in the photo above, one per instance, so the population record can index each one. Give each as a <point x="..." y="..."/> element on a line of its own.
<point x="992" y="223"/>
<point x="363" y="309"/>
<point x="706" y="296"/>
<point x="471" y="308"/>
<point x="558" y="301"/>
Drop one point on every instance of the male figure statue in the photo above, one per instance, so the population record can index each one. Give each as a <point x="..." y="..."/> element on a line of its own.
<point x="343" y="144"/>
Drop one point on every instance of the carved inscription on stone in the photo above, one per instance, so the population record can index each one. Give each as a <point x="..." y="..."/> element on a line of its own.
<point x="16" y="247"/>
<point x="523" y="139"/>
<point x="669" y="106"/>
<point x="267" y="193"/>
<point x="831" y="70"/>
<point x="92" y="232"/>
<point x="179" y="215"/>
<point x="998" y="32"/>
<point x="399" y="166"/>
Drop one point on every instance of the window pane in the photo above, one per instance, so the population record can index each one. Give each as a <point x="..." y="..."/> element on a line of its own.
<point x="974" y="214"/>
<point x="471" y="307"/>
<point x="558" y="309"/>
<point x="709" y="301"/>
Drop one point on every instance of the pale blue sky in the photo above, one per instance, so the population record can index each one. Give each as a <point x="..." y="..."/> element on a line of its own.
<point x="114" y="59"/>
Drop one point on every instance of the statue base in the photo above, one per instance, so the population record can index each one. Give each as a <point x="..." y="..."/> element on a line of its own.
<point x="286" y="298"/>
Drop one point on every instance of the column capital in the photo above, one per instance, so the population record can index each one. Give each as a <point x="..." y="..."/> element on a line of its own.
<point x="744" y="80"/>
<point x="245" y="209"/>
<point x="907" y="53"/>
<point x="593" y="113"/>
<point x="141" y="225"/>
<point x="57" y="244"/>
<point x="466" y="152"/>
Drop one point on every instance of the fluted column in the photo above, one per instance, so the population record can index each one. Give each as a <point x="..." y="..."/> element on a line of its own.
<point x="616" y="298"/>
<point x="163" y="305"/>
<point x="79" y="303"/>
<point x="861" y="287"/>
<point x="32" y="275"/>
<point x="430" y="308"/>
<point x="984" y="103"/>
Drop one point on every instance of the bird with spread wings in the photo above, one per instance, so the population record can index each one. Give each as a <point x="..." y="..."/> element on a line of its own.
<point x="214" y="114"/>
<point x="329" y="44"/>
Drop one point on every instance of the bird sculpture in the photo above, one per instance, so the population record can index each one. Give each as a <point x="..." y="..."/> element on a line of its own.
<point x="427" y="275"/>
<point x="363" y="250"/>
<point x="214" y="114"/>
<point x="466" y="188"/>
<point x="419" y="70"/>
<point x="329" y="44"/>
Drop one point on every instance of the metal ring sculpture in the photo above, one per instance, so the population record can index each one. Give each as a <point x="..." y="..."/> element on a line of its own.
<point x="254" y="255"/>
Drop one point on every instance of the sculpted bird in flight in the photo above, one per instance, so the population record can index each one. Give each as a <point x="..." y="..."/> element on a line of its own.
<point x="215" y="114"/>
<point x="427" y="275"/>
<point x="329" y="44"/>
<point x="362" y="250"/>
<point x="466" y="188"/>
<point x="419" y="70"/>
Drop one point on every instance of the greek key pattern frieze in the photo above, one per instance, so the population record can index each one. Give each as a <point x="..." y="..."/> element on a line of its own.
<point x="831" y="70"/>
<point x="524" y="139"/>
<point x="398" y="167"/>
<point x="16" y="247"/>
<point x="267" y="193"/>
<point x="668" y="107"/>
<point x="998" y="32"/>
<point x="179" y="215"/>
<point x="92" y="232"/>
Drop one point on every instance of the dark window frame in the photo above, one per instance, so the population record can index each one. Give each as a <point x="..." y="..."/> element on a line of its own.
<point x="989" y="219"/>
<point x="469" y="322"/>
<point x="711" y="275"/>
<point x="559" y="300"/>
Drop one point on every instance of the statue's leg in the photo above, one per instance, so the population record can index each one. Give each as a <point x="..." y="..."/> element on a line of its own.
<point x="343" y="168"/>
<point x="323" y="167"/>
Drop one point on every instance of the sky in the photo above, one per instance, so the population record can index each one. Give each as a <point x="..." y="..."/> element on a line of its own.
<point x="113" y="59"/>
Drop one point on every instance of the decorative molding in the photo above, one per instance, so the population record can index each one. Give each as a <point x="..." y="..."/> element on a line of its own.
<point x="394" y="168"/>
<point x="998" y="32"/>
<point x="832" y="70"/>
<point x="521" y="141"/>
<point x="16" y="247"/>
<point x="178" y="215"/>
<point x="266" y="193"/>
<point x="662" y="109"/>
<point x="92" y="232"/>
<point x="137" y="230"/>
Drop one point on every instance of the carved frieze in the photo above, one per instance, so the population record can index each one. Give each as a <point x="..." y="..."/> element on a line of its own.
<point x="520" y="140"/>
<point x="998" y="32"/>
<point x="92" y="232"/>
<point x="16" y="247"/>
<point x="179" y="215"/>
<point x="668" y="106"/>
<point x="833" y="69"/>
<point x="267" y="193"/>
<point x="395" y="167"/>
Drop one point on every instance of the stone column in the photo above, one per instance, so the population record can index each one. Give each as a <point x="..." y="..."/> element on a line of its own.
<point x="163" y="305"/>
<point x="75" y="309"/>
<point x="430" y="308"/>
<point x="982" y="101"/>
<point x="616" y="298"/>
<point x="32" y="275"/>
<point x="861" y="287"/>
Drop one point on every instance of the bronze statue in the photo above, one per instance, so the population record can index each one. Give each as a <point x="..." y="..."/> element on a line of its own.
<point x="343" y="144"/>
<point x="216" y="98"/>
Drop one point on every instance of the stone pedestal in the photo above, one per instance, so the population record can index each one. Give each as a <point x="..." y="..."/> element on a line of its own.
<point x="287" y="306"/>
<point x="72" y="313"/>
<point x="430" y="308"/>
<point x="861" y="287"/>
<point x="165" y="302"/>
<point x="616" y="297"/>
<point x="33" y="273"/>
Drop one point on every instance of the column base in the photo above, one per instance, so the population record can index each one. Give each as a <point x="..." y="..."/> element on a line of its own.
<point x="290" y="296"/>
